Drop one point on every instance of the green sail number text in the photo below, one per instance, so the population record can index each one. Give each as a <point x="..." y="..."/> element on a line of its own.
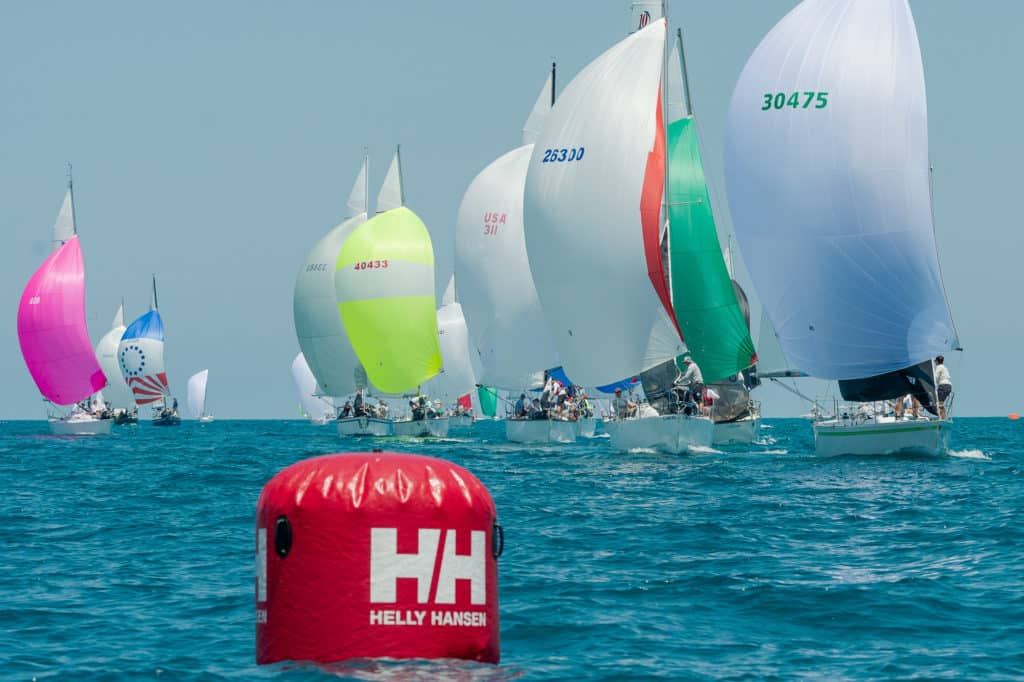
<point x="796" y="100"/>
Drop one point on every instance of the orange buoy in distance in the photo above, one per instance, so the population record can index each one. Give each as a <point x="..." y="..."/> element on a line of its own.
<point x="372" y="555"/>
<point x="1014" y="416"/>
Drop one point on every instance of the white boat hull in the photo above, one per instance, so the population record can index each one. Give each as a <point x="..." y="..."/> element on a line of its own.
<point x="421" y="428"/>
<point x="670" y="433"/>
<point x="81" y="427"/>
<point x="541" y="431"/>
<point x="364" y="426"/>
<point x="739" y="432"/>
<point x="460" y="421"/>
<point x="882" y="437"/>
<point x="205" y="419"/>
<point x="587" y="427"/>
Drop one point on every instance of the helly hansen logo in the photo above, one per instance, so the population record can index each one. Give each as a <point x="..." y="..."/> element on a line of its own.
<point x="387" y="565"/>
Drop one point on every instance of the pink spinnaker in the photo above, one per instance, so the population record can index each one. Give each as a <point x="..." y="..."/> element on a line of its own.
<point x="52" y="331"/>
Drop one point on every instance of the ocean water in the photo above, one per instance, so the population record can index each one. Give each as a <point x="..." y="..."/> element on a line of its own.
<point x="131" y="557"/>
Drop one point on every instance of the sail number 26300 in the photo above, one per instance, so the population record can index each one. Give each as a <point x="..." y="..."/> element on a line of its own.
<point x="560" y="155"/>
<point x="796" y="100"/>
<point x="371" y="264"/>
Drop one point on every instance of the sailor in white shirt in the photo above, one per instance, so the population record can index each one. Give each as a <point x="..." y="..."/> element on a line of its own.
<point x="943" y="383"/>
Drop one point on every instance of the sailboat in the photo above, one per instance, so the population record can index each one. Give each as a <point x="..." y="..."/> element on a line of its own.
<point x="322" y="338"/>
<point x="319" y="409"/>
<point x="608" y="161"/>
<point x="384" y="286"/>
<point x="830" y="189"/>
<point x="456" y="381"/>
<point x="140" y="355"/>
<point x="506" y="324"/>
<point x="118" y="394"/>
<point x="53" y="334"/>
<point x="197" y="396"/>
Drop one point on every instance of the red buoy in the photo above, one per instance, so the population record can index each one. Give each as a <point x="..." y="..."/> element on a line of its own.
<point x="376" y="555"/>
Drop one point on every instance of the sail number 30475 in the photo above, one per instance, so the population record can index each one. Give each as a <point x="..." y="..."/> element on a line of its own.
<point x="560" y="155"/>
<point x="371" y="264"/>
<point x="796" y="100"/>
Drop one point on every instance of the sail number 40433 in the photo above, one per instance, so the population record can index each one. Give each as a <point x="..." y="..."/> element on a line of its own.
<point x="796" y="100"/>
<point x="560" y="155"/>
<point x="371" y="264"/>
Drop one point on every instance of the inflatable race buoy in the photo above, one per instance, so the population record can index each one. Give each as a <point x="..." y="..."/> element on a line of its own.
<point x="376" y="555"/>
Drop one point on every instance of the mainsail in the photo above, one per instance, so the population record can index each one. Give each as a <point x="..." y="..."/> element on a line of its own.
<point x="313" y="405"/>
<point x="384" y="286"/>
<point x="828" y="177"/>
<point x="508" y="333"/>
<point x="318" y="326"/>
<point x="197" y="393"/>
<point x="140" y="355"/>
<point x="52" y="331"/>
<point x="456" y="378"/>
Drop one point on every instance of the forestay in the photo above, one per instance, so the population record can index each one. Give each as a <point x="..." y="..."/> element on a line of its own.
<point x="828" y="177"/>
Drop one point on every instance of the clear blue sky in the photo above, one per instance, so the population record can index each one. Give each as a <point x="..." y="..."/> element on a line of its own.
<point x="214" y="142"/>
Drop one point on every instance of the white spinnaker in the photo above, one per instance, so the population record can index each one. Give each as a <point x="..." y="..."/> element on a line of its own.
<point x="64" y="227"/>
<point x="197" y="393"/>
<point x="508" y="332"/>
<point x="456" y="378"/>
<point x="318" y="325"/>
<point x="583" y="221"/>
<point x="313" y="405"/>
<point x="117" y="392"/>
<point x="831" y="203"/>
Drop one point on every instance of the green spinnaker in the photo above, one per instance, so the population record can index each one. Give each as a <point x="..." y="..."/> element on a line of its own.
<point x="705" y="303"/>
<point x="488" y="400"/>
<point x="385" y="284"/>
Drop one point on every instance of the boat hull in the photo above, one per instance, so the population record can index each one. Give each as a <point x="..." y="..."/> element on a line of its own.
<point x="924" y="436"/>
<point x="81" y="427"/>
<point x="460" y="421"/>
<point x="587" y="427"/>
<point x="364" y="426"/>
<point x="541" y="431"/>
<point x="205" y="419"/>
<point x="739" y="432"/>
<point x="170" y="420"/>
<point x="422" y="428"/>
<point x="670" y="433"/>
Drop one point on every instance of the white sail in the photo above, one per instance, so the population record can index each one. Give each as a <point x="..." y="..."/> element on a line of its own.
<point x="314" y="406"/>
<point x="593" y="193"/>
<point x="771" y="361"/>
<point x="456" y="378"/>
<point x="64" y="227"/>
<point x="117" y="392"/>
<point x="508" y="332"/>
<point x="197" y="394"/>
<point x="828" y="178"/>
<point x="539" y="113"/>
<point x="391" y="194"/>
<point x="357" y="200"/>
<point x="449" y="292"/>
<point x="318" y="326"/>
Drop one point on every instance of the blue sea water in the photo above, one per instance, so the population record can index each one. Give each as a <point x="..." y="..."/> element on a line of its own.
<point x="131" y="556"/>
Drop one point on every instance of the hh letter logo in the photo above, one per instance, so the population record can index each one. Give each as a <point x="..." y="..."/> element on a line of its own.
<point x="387" y="565"/>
